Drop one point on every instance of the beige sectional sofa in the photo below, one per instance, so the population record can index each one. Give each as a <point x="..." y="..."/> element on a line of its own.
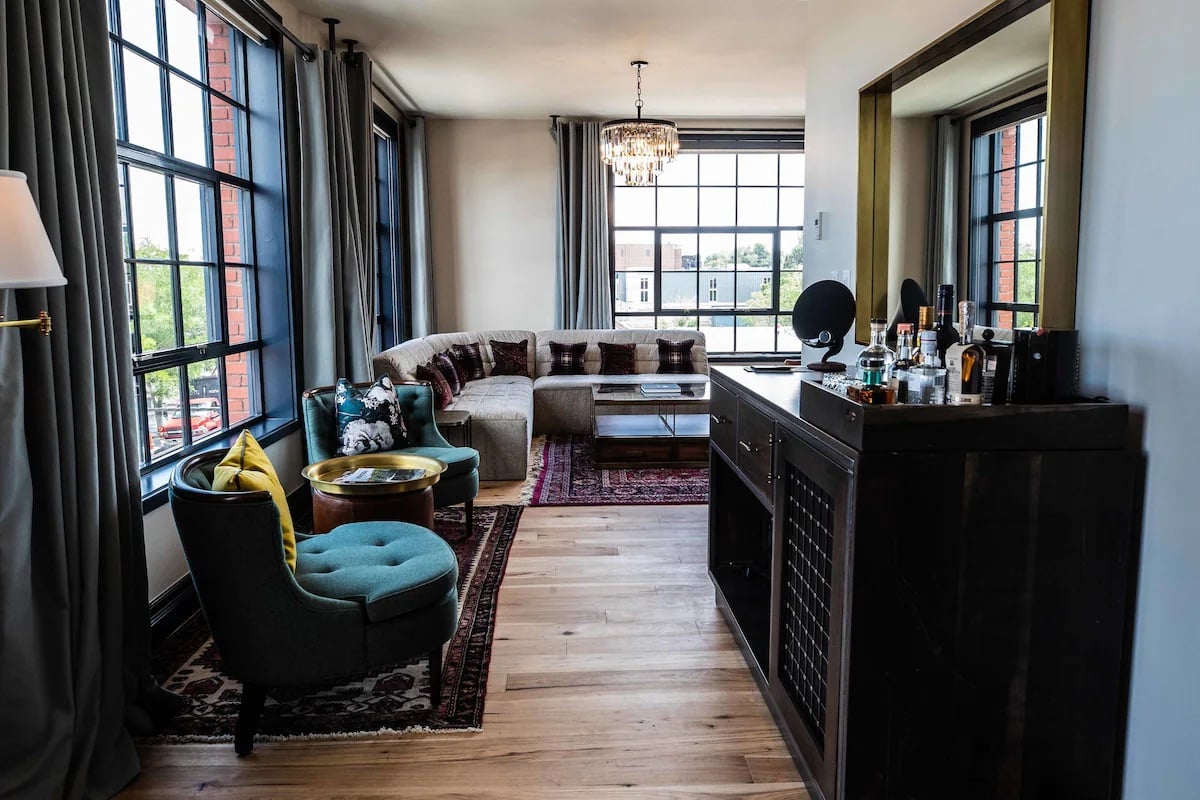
<point x="507" y="410"/>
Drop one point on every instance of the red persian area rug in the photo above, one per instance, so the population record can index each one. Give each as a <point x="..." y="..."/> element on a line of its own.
<point x="396" y="700"/>
<point x="564" y="473"/>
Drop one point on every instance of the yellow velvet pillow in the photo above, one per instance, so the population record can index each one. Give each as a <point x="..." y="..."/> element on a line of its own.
<point x="246" y="468"/>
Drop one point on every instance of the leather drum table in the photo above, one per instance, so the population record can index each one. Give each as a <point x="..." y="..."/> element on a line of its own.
<point x="336" y="503"/>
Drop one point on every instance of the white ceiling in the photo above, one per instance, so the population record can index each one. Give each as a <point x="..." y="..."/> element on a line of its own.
<point x="532" y="58"/>
<point x="1021" y="49"/>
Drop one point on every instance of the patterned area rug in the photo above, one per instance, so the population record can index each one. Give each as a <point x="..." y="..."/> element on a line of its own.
<point x="563" y="472"/>
<point x="390" y="701"/>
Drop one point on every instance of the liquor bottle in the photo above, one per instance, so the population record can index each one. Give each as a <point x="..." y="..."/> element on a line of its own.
<point x="927" y="380"/>
<point x="904" y="361"/>
<point x="965" y="362"/>
<point x="875" y="361"/>
<point x="924" y="323"/>
<point x="947" y="334"/>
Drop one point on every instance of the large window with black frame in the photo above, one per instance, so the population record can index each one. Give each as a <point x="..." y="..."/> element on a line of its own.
<point x="188" y="214"/>
<point x="1008" y="182"/>
<point x="715" y="245"/>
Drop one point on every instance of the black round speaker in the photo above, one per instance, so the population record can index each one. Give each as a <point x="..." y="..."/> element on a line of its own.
<point x="821" y="318"/>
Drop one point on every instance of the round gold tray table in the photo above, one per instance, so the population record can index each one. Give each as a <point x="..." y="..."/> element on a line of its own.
<point x="398" y="501"/>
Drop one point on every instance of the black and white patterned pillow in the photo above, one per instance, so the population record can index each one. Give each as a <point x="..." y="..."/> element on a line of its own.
<point x="675" y="358"/>
<point x="445" y="365"/>
<point x="368" y="421"/>
<point x="567" y="359"/>
<point x="468" y="360"/>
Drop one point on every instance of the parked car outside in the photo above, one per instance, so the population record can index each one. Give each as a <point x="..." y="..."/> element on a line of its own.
<point x="206" y="418"/>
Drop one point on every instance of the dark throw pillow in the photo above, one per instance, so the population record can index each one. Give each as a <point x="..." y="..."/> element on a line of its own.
<point x="445" y="365"/>
<point x="617" y="359"/>
<point x="442" y="396"/>
<point x="567" y="359"/>
<point x="368" y="421"/>
<point x="468" y="360"/>
<point x="510" y="358"/>
<point x="675" y="358"/>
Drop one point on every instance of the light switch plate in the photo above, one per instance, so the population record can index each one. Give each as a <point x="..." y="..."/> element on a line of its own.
<point x="818" y="225"/>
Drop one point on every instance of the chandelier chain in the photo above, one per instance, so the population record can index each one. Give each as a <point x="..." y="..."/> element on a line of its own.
<point x="638" y="104"/>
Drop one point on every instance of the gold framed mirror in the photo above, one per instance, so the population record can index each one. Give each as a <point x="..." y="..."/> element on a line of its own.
<point x="1017" y="71"/>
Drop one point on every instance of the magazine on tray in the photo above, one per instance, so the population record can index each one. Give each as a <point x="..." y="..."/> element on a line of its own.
<point x="380" y="475"/>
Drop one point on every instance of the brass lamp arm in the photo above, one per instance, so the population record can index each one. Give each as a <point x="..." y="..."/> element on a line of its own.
<point x="42" y="323"/>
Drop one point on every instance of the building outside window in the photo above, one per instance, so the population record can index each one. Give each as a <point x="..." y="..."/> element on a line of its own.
<point x="190" y="150"/>
<point x="716" y="244"/>
<point x="1008" y="179"/>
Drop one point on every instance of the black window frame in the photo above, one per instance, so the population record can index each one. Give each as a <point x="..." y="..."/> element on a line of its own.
<point x="394" y="318"/>
<point x="983" y="146"/>
<point x="264" y="180"/>
<point x="789" y="142"/>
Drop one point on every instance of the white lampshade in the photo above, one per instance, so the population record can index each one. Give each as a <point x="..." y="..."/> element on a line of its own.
<point x="26" y="258"/>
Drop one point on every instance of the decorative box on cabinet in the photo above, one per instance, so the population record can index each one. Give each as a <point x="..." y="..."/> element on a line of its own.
<point x="948" y="590"/>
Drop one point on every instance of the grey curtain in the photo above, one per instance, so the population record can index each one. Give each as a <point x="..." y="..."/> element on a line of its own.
<point x="337" y="217"/>
<point x="74" y="627"/>
<point x="419" y="248"/>
<point x="942" y="234"/>
<point x="584" y="288"/>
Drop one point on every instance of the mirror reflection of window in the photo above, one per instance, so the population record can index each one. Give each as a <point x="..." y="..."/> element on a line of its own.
<point x="1008" y="158"/>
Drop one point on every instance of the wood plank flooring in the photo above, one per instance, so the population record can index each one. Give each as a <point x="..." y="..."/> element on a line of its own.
<point x="612" y="676"/>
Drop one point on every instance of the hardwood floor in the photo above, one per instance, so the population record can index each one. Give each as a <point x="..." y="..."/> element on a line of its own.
<point x="612" y="675"/>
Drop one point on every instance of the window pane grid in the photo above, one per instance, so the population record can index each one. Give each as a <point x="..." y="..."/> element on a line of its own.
<point x="1012" y="222"/>
<point x="731" y="268"/>
<point x="187" y="219"/>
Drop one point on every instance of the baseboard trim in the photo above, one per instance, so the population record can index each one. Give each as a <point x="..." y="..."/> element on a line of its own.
<point x="172" y="608"/>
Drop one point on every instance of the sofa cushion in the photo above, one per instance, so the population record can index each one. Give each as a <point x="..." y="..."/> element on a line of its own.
<point x="246" y="468"/>
<point x="567" y="359"/>
<point x="646" y="350"/>
<point x="390" y="568"/>
<point x="617" y="359"/>
<point x="400" y="362"/>
<point x="458" y="460"/>
<point x="497" y="397"/>
<point x="469" y="360"/>
<point x="510" y="358"/>
<point x="442" y="396"/>
<point x="450" y="371"/>
<point x="368" y="421"/>
<point x="675" y="358"/>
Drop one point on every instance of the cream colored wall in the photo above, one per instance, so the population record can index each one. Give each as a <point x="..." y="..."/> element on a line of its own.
<point x="492" y="187"/>
<point x="909" y="213"/>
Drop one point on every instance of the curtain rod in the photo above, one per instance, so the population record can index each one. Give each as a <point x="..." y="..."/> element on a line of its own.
<point x="269" y="16"/>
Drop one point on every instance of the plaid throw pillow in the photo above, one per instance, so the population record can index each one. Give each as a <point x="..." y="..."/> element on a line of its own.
<point x="442" y="396"/>
<point x="617" y="359"/>
<point x="445" y="365"/>
<point x="675" y="358"/>
<point x="567" y="359"/>
<point x="468" y="360"/>
<point x="510" y="358"/>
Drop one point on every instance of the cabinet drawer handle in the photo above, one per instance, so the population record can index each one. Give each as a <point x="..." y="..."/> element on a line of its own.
<point x="749" y="448"/>
<point x="770" y="477"/>
<point x="717" y="420"/>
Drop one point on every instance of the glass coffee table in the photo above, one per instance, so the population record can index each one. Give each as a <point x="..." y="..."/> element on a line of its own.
<point x="633" y="426"/>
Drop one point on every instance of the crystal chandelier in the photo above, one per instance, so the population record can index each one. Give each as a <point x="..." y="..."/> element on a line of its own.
<point x="637" y="149"/>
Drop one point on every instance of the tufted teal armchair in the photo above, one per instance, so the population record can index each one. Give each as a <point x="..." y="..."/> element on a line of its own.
<point x="458" y="484"/>
<point x="365" y="595"/>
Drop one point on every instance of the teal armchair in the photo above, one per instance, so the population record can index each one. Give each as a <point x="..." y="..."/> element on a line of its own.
<point x="365" y="595"/>
<point x="458" y="484"/>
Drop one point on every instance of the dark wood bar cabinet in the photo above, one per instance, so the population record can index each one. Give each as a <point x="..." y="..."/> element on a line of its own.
<point x="934" y="601"/>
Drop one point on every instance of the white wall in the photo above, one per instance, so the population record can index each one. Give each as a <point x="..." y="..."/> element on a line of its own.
<point x="909" y="203"/>
<point x="492" y="187"/>
<point x="1138" y="297"/>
